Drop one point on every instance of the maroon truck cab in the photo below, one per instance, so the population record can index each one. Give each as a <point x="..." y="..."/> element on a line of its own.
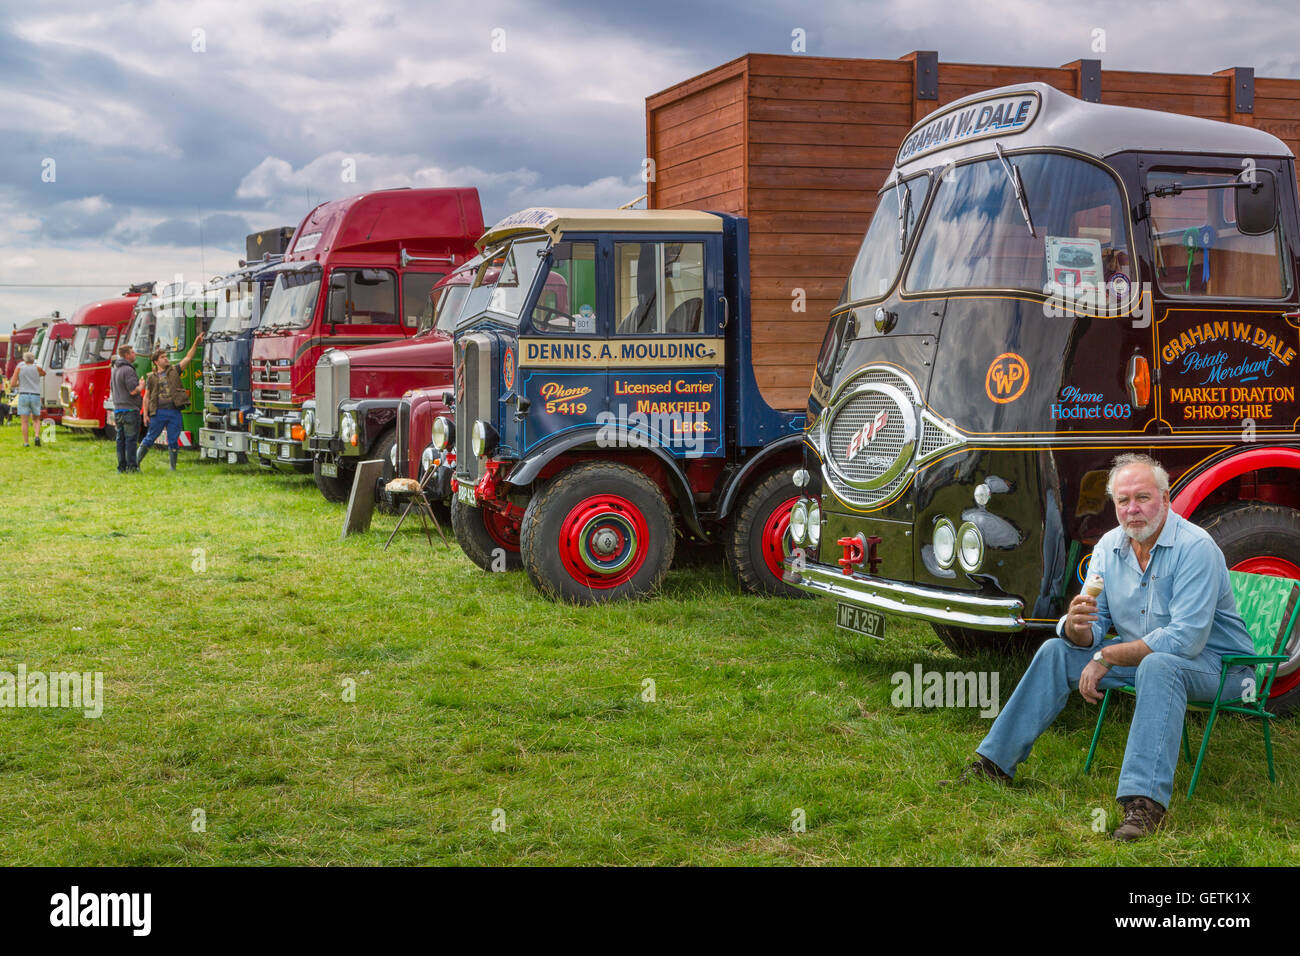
<point x="86" y="371"/>
<point x="366" y="386"/>
<point x="358" y="272"/>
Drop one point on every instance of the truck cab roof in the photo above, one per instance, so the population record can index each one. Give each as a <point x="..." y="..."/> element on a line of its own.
<point x="556" y="222"/>
<point x="383" y="221"/>
<point x="1030" y="115"/>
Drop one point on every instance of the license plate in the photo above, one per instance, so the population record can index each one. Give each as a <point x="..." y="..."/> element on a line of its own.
<point x="210" y="452"/>
<point x="231" y="458"/>
<point x="465" y="495"/>
<point x="860" y="620"/>
<point x="329" y="469"/>
<point x="265" y="448"/>
<point x="284" y="451"/>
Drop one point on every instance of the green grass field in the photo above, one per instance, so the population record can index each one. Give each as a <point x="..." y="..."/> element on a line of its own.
<point x="489" y="725"/>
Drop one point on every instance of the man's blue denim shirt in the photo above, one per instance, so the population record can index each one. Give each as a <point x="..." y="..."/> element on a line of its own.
<point x="1182" y="604"/>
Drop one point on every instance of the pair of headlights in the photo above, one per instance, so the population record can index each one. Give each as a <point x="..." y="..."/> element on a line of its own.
<point x="806" y="522"/>
<point x="964" y="545"/>
<point x="482" y="436"/>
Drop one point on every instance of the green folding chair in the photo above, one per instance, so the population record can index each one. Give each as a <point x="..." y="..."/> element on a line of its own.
<point x="1269" y="606"/>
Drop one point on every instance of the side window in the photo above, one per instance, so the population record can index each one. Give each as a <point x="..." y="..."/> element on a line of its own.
<point x="1198" y="249"/>
<point x="416" y="287"/>
<point x="659" y="288"/>
<point x="567" y="302"/>
<point x="372" y="297"/>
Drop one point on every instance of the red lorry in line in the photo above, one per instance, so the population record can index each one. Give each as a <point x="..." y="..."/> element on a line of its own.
<point x="359" y="271"/>
<point x="420" y="365"/>
<point x="86" y="370"/>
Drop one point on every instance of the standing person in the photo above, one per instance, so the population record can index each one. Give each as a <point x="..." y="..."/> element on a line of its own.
<point x="166" y="397"/>
<point x="126" y="389"/>
<point x="27" y="379"/>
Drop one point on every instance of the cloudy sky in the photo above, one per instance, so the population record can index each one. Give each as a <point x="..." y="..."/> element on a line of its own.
<point x="145" y="139"/>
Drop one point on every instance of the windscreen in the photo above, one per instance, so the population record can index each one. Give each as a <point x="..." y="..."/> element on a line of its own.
<point x="503" y="280"/>
<point x="141" y="336"/>
<point x="876" y="266"/>
<point x="169" y="330"/>
<point x="975" y="235"/>
<point x="444" y="309"/>
<point x="293" y="300"/>
<point x="91" y="344"/>
<point x="236" y="308"/>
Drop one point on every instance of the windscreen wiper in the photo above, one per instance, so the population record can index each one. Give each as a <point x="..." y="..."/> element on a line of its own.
<point x="1013" y="174"/>
<point x="904" y="205"/>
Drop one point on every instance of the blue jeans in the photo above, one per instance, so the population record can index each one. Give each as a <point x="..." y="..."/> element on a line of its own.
<point x="169" y="418"/>
<point x="126" y="422"/>
<point x="1164" y="682"/>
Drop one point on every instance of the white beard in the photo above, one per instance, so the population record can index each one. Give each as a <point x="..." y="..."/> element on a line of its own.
<point x="1149" y="532"/>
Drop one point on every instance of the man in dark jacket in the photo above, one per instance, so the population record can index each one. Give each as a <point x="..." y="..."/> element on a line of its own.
<point x="166" y="397"/>
<point x="126" y="388"/>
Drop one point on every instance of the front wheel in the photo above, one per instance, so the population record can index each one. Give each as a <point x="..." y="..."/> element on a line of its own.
<point x="598" y="532"/>
<point x="760" y="535"/>
<point x="1264" y="539"/>
<point x="336" y="488"/>
<point x="488" y="538"/>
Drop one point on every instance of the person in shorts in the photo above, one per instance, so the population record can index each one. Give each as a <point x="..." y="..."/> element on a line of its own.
<point x="27" y="380"/>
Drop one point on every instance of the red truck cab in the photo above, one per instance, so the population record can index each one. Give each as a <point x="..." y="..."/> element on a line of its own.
<point x="365" y="385"/>
<point x="358" y="272"/>
<point x="87" y="368"/>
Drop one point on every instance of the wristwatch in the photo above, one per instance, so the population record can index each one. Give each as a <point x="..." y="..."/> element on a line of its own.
<point x="1101" y="660"/>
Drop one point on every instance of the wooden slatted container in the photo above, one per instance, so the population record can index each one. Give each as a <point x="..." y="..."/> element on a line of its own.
<point x="800" y="145"/>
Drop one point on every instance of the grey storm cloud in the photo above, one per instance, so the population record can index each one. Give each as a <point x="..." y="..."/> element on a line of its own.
<point x="220" y="230"/>
<point x="152" y="136"/>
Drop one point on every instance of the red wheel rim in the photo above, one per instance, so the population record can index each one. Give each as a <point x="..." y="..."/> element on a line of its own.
<point x="604" y="541"/>
<point x="1280" y="568"/>
<point x="775" y="529"/>
<point x="501" y="529"/>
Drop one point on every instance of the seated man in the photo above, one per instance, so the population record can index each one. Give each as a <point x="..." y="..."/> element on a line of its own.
<point x="1168" y="596"/>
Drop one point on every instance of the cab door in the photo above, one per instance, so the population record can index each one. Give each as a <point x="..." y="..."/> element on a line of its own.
<point x="1227" y="351"/>
<point x="667" y="353"/>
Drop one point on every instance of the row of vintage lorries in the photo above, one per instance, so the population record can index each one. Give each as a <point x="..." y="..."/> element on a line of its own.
<point x="1044" y="283"/>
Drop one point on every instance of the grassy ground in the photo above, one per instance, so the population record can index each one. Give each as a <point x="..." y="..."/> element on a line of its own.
<point x="230" y="622"/>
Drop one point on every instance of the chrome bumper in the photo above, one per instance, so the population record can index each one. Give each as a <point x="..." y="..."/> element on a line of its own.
<point x="223" y="440"/>
<point x="957" y="608"/>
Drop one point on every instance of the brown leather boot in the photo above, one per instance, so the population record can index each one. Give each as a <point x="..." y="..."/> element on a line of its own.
<point x="981" y="769"/>
<point x="1142" y="816"/>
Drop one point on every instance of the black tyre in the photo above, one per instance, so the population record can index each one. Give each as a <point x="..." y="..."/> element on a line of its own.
<point x="965" y="642"/>
<point x="384" y="449"/>
<point x="598" y="532"/>
<point x="759" y="537"/>
<point x="1264" y="539"/>
<point x="334" y="489"/>
<point x="487" y="537"/>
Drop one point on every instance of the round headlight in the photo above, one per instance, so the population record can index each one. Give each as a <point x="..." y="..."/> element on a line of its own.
<point x="443" y="432"/>
<point x="945" y="543"/>
<point x="480" y="439"/>
<point x="970" y="547"/>
<point x="309" y="421"/>
<point x="348" y="429"/>
<point x="814" y="523"/>
<point x="427" y="458"/>
<point x="799" y="521"/>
